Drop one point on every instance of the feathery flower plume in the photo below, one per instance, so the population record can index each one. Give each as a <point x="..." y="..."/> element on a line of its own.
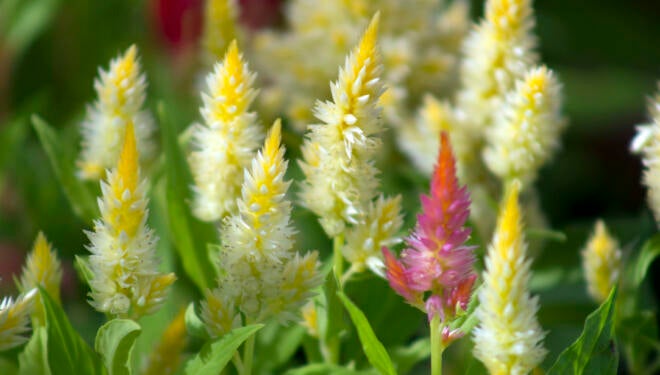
<point x="381" y="226"/>
<point x="126" y="281"/>
<point x="121" y="94"/>
<point x="168" y="352"/>
<point x="647" y="143"/>
<point x="261" y="275"/>
<point x="497" y="53"/>
<point x="525" y="133"/>
<point x="42" y="268"/>
<point x="14" y="319"/>
<point x="437" y="264"/>
<point x="508" y="339"/>
<point x="227" y="141"/>
<point x="340" y="178"/>
<point x="601" y="262"/>
<point x="220" y="28"/>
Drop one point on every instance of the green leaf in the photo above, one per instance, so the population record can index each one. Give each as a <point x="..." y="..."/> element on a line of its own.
<point x="28" y="20"/>
<point x="406" y="357"/>
<point x="326" y="369"/>
<point x="333" y="325"/>
<point x="8" y="367"/>
<point x="81" y="264"/>
<point x="34" y="358"/>
<point x="194" y="325"/>
<point x="114" y="342"/>
<point x="215" y="355"/>
<point x="545" y="234"/>
<point x="80" y="197"/>
<point x="639" y="337"/>
<point x="276" y="345"/>
<point x="67" y="352"/>
<point x="188" y="234"/>
<point x="647" y="255"/>
<point x="594" y="352"/>
<point x="373" y="349"/>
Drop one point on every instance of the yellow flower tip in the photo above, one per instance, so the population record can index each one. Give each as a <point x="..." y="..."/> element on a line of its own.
<point x="167" y="354"/>
<point x="273" y="140"/>
<point x="42" y="268"/>
<point x="507" y="15"/>
<point x="601" y="261"/>
<point x="127" y="168"/>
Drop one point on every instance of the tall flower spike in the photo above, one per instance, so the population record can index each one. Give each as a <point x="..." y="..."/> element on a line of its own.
<point x="601" y="262"/>
<point x="437" y="263"/>
<point x="42" y="268"/>
<point x="647" y="143"/>
<point x="220" y="28"/>
<point x="526" y="130"/>
<point x="261" y="275"/>
<point x="121" y="94"/>
<point x="125" y="281"/>
<point x="508" y="339"/>
<point x="497" y="53"/>
<point x="14" y="319"/>
<point x="340" y="178"/>
<point x="227" y="141"/>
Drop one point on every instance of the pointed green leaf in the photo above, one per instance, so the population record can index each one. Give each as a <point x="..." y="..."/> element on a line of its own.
<point x="373" y="349"/>
<point x="595" y="351"/>
<point x="81" y="264"/>
<point x="114" y="342"/>
<point x="188" y="233"/>
<point x="215" y="355"/>
<point x="80" y="197"/>
<point x="34" y="358"/>
<point x="67" y="352"/>
<point x="194" y="325"/>
<point x="647" y="255"/>
<point x="327" y="369"/>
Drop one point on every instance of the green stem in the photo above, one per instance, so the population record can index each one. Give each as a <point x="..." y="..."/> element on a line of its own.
<point x="333" y="346"/>
<point x="248" y="355"/>
<point x="338" y="258"/>
<point x="436" y="346"/>
<point x="237" y="362"/>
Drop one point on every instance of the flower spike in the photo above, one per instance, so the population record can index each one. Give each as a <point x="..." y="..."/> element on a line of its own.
<point x="508" y="339"/>
<point x="601" y="262"/>
<point x="437" y="262"/>
<point x="125" y="281"/>
<point x="14" y="319"/>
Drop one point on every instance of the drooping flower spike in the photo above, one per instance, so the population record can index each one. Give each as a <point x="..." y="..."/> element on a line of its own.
<point x="126" y="281"/>
<point x="437" y="263"/>
<point x="509" y="339"/>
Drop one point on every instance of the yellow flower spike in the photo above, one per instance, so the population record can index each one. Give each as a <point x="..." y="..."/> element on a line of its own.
<point x="381" y="227"/>
<point x="601" y="262"/>
<point x="14" y="319"/>
<point x="168" y="352"/>
<point x="508" y="339"/>
<point x="339" y="175"/>
<point x="220" y="27"/>
<point x="126" y="281"/>
<point x="121" y="94"/>
<point x="42" y="268"/>
<point x="525" y="133"/>
<point x="227" y="140"/>
<point x="261" y="275"/>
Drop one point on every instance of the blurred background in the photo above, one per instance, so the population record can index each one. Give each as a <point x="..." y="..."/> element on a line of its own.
<point x="606" y="52"/>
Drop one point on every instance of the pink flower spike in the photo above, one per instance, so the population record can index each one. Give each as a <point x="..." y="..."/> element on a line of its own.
<point x="397" y="278"/>
<point x="437" y="263"/>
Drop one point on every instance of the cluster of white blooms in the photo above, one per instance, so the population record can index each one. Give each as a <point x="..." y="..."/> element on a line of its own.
<point x="340" y="178"/>
<point x="508" y="339"/>
<point x="261" y="276"/>
<point x="121" y="94"/>
<point x="14" y="319"/>
<point x="647" y="143"/>
<point x="125" y="280"/>
<point x="227" y="141"/>
<point x="526" y="129"/>
<point x="420" y="47"/>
